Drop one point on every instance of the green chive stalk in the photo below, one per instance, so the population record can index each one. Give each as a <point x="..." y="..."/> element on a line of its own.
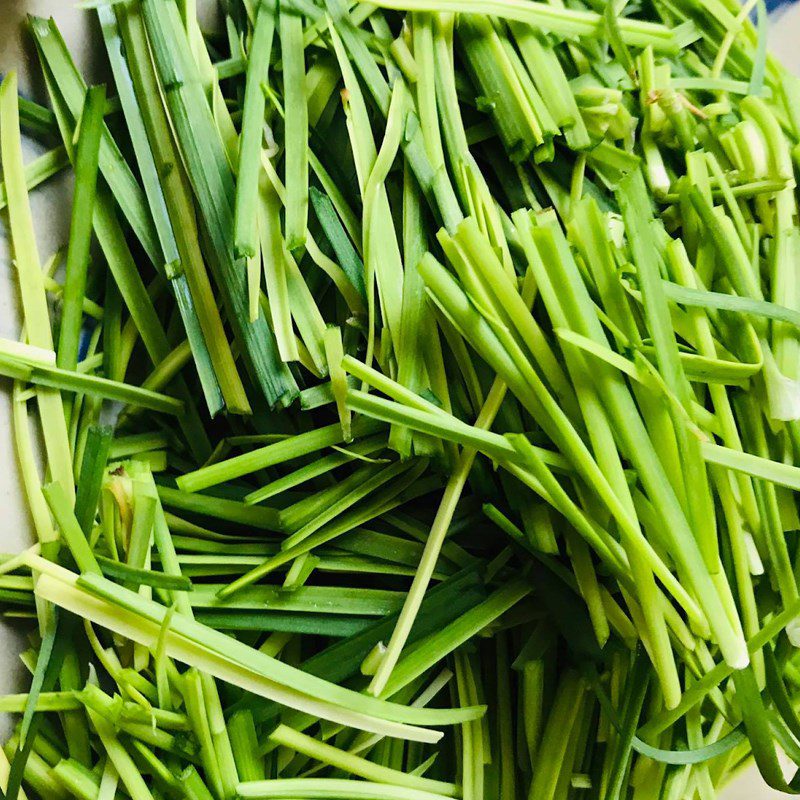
<point x="296" y="123"/>
<point x="245" y="232"/>
<point x="86" y="167"/>
<point x="176" y="192"/>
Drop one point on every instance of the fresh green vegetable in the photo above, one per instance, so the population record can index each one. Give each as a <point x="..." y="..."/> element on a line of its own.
<point x="445" y="345"/>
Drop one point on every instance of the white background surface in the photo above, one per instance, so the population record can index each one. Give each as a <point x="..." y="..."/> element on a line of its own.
<point x="51" y="206"/>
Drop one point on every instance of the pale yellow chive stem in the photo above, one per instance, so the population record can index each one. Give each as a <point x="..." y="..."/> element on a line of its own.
<point x="31" y="281"/>
<point x="5" y="770"/>
<point x="31" y="480"/>
<point x="18" y="561"/>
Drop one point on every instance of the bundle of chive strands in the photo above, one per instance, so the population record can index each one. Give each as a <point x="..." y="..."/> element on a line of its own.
<point x="452" y="351"/>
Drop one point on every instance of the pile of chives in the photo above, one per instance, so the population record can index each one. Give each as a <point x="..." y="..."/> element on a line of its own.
<point x="419" y="388"/>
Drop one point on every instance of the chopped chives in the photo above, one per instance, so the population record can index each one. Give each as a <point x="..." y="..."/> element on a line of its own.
<point x="113" y="166"/>
<point x="176" y="192"/>
<point x="274" y="260"/>
<point x="543" y="448"/>
<point x="170" y="261"/>
<point x="296" y="125"/>
<point x="250" y="139"/>
<point x="39" y="170"/>
<point x="86" y="166"/>
<point x="31" y="282"/>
